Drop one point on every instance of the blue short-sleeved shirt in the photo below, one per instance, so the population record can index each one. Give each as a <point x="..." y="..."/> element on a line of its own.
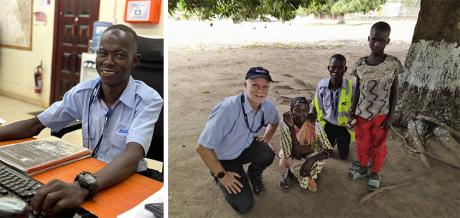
<point x="328" y="99"/>
<point x="226" y="131"/>
<point x="133" y="118"/>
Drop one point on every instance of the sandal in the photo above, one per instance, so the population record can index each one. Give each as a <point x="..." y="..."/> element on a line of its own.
<point x="355" y="174"/>
<point x="355" y="165"/>
<point x="374" y="182"/>
<point x="312" y="186"/>
<point x="285" y="181"/>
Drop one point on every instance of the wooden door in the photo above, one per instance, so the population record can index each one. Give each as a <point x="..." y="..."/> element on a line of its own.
<point x="73" y="28"/>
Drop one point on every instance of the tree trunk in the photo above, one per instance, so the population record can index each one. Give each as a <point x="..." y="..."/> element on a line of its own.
<point x="431" y="86"/>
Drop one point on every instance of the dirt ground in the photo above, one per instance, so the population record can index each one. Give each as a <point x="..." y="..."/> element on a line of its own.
<point x="200" y="78"/>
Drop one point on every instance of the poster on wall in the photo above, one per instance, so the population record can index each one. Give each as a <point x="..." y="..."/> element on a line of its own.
<point x="16" y="24"/>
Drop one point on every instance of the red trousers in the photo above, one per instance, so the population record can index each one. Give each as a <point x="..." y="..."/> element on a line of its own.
<point x="371" y="141"/>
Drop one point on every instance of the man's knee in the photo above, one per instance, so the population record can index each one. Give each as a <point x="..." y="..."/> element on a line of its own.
<point x="267" y="157"/>
<point x="243" y="206"/>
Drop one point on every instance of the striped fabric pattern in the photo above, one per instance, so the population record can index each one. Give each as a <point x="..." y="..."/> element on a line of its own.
<point x="321" y="143"/>
<point x="375" y="85"/>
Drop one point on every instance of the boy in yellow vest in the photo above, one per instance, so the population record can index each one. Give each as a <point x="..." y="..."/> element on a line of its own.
<point x="332" y="102"/>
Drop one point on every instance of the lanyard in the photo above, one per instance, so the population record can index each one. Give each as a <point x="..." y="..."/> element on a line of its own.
<point x="262" y="121"/>
<point x="94" y="94"/>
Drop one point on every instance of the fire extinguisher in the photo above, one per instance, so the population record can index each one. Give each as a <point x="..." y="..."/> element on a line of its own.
<point x="38" y="74"/>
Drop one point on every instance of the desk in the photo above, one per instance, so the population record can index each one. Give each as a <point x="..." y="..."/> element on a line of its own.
<point x="109" y="202"/>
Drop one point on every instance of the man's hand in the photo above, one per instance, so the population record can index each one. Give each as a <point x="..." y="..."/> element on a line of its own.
<point x="311" y="117"/>
<point x="306" y="167"/>
<point x="387" y="123"/>
<point x="289" y="161"/>
<point x="265" y="139"/>
<point x="230" y="183"/>
<point x="287" y="118"/>
<point x="56" y="196"/>
<point x="351" y="123"/>
<point x="297" y="152"/>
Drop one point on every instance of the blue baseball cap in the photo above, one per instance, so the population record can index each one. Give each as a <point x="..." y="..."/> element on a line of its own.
<point x="256" y="72"/>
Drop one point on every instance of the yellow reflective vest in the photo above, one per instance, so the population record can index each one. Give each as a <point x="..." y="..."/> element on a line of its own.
<point x="344" y="104"/>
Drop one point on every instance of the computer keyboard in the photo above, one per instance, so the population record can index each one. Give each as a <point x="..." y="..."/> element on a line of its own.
<point x="15" y="183"/>
<point x="17" y="190"/>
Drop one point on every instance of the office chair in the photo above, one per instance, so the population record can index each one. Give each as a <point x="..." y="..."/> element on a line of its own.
<point x="150" y="71"/>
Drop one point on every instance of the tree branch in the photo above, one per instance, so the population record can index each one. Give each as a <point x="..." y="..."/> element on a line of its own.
<point x="382" y="189"/>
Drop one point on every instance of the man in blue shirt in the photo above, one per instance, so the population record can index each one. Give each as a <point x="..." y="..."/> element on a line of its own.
<point x="230" y="140"/>
<point x="332" y="103"/>
<point x="118" y="115"/>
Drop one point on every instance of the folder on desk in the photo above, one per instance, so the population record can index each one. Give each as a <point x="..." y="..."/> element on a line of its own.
<point x="37" y="156"/>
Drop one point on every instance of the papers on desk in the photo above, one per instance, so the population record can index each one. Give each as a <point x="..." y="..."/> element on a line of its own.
<point x="139" y="210"/>
<point x="2" y="121"/>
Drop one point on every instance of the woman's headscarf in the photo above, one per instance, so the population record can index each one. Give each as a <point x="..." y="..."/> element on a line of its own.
<point x="297" y="100"/>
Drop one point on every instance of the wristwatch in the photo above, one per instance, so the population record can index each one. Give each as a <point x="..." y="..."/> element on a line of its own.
<point x="87" y="181"/>
<point x="221" y="175"/>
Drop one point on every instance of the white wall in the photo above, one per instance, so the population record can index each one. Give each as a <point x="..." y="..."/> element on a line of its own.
<point x="17" y="66"/>
<point x="113" y="11"/>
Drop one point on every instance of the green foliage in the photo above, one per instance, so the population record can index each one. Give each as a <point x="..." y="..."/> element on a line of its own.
<point x="340" y="7"/>
<point x="240" y="10"/>
<point x="351" y="6"/>
<point x="407" y="3"/>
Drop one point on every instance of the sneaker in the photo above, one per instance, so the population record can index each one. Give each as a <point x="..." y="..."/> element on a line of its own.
<point x="256" y="183"/>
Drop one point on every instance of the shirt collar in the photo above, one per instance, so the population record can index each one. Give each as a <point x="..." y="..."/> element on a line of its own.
<point x="344" y="82"/>
<point x="247" y="105"/>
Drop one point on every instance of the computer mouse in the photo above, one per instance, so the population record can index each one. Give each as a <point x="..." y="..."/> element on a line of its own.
<point x="13" y="207"/>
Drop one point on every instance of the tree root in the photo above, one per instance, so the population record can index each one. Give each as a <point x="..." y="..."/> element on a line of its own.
<point x="441" y="124"/>
<point x="404" y="141"/>
<point x="411" y="127"/>
<point x="441" y="160"/>
<point x="447" y="141"/>
<point x="380" y="190"/>
<point x="423" y="152"/>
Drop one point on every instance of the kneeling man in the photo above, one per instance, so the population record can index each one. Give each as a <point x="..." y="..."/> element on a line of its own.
<point x="230" y="140"/>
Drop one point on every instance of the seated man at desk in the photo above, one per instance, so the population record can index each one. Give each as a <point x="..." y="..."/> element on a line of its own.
<point x="118" y="115"/>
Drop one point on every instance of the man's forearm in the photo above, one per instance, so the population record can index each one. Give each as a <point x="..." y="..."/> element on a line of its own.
<point x="355" y="98"/>
<point x="210" y="159"/>
<point x="271" y="129"/>
<point x="21" y="129"/>
<point x="393" y="97"/>
<point x="120" y="167"/>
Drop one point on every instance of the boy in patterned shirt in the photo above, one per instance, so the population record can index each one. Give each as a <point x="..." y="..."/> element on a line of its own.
<point x="377" y="88"/>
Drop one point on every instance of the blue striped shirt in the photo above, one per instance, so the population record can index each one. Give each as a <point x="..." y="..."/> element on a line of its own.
<point x="328" y="99"/>
<point x="226" y="131"/>
<point x="133" y="119"/>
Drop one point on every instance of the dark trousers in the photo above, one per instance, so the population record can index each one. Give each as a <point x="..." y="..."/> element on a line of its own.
<point x="260" y="155"/>
<point x="339" y="135"/>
